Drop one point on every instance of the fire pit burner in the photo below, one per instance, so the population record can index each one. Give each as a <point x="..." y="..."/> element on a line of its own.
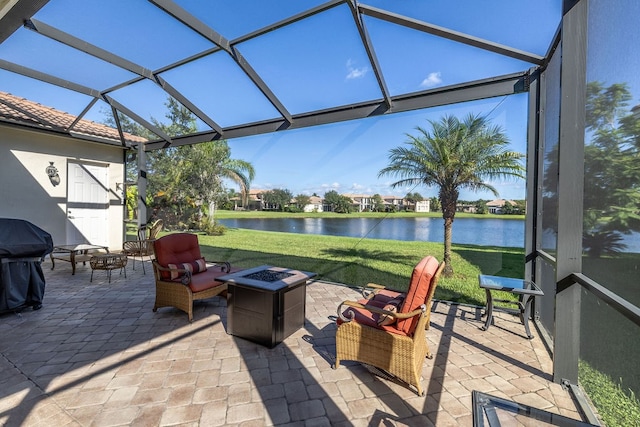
<point x="268" y="275"/>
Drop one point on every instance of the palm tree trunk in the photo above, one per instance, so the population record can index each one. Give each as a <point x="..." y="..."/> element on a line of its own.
<point x="448" y="268"/>
<point x="212" y="213"/>
<point x="448" y="201"/>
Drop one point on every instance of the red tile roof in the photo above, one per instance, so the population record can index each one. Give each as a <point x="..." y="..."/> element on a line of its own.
<point x="14" y="109"/>
<point x="500" y="203"/>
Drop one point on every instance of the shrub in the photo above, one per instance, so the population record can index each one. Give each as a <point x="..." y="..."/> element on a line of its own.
<point x="214" y="229"/>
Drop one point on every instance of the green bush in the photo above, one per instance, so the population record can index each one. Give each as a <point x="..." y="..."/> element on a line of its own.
<point x="215" y="229"/>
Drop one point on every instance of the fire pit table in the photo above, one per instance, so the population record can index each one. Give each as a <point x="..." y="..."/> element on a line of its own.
<point x="266" y="304"/>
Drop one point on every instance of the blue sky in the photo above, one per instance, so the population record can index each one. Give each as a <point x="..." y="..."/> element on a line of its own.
<point x="309" y="65"/>
<point x="347" y="157"/>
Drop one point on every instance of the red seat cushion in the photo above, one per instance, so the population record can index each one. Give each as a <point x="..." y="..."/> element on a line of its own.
<point x="365" y="317"/>
<point x="205" y="280"/>
<point x="421" y="279"/>
<point x="386" y="295"/>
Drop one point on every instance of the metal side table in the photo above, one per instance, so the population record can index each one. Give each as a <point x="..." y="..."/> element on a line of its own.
<point x="525" y="289"/>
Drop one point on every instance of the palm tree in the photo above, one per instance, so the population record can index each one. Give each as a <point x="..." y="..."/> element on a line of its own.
<point x="242" y="173"/>
<point x="218" y="154"/>
<point x="454" y="155"/>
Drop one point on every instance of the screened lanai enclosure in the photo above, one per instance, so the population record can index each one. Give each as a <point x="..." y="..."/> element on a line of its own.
<point x="561" y="76"/>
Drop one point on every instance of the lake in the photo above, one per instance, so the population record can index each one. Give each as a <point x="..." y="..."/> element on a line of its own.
<point x="485" y="232"/>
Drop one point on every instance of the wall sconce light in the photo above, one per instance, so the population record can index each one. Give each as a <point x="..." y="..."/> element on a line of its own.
<point x="52" y="173"/>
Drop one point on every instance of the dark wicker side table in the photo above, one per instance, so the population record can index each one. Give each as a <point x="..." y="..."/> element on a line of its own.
<point x="108" y="262"/>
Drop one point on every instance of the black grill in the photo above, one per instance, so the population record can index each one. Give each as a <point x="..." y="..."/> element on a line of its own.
<point x="23" y="246"/>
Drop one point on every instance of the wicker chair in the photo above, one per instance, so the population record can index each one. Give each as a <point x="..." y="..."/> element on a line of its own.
<point x="372" y="332"/>
<point x="144" y="245"/>
<point x="155" y="229"/>
<point x="379" y="295"/>
<point x="182" y="275"/>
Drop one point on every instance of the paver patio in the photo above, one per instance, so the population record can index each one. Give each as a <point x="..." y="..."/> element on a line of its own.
<point x="96" y="355"/>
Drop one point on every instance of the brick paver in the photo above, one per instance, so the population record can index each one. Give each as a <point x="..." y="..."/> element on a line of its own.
<point x="96" y="355"/>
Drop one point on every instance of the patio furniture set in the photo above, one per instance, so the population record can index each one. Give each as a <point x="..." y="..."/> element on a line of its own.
<point x="266" y="304"/>
<point x="385" y="329"/>
<point x="99" y="256"/>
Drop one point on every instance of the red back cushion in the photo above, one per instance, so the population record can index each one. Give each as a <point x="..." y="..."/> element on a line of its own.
<point x="418" y="290"/>
<point x="178" y="248"/>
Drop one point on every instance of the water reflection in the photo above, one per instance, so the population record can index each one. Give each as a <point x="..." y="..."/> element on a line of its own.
<point x="488" y="232"/>
<point x="484" y="232"/>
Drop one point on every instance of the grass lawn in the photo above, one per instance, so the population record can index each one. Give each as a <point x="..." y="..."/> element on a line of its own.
<point x="616" y="406"/>
<point x="355" y="261"/>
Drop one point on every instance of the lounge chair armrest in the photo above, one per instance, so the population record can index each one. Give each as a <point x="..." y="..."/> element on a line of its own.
<point x="183" y="275"/>
<point x="224" y="265"/>
<point x="371" y="289"/>
<point x="372" y="309"/>
<point x="375" y="285"/>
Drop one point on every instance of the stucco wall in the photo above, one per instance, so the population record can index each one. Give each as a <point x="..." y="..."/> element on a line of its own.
<point x="27" y="193"/>
<point x="423" y="206"/>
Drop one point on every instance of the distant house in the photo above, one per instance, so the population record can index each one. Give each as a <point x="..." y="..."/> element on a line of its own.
<point x="497" y="206"/>
<point x="365" y="202"/>
<point x="361" y="202"/>
<point x="394" y="203"/>
<point x="314" y="205"/>
<point x="466" y="207"/>
<point x="423" y="206"/>
<point x="255" y="200"/>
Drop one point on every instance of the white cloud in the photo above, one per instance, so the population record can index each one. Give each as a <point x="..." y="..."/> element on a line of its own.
<point x="333" y="186"/>
<point x="354" y="72"/>
<point x="433" y="79"/>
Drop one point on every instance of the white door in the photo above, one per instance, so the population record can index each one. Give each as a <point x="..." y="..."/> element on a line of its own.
<point x="87" y="204"/>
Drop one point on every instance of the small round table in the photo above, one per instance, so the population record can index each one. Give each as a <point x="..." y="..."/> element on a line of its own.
<point x="108" y="262"/>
